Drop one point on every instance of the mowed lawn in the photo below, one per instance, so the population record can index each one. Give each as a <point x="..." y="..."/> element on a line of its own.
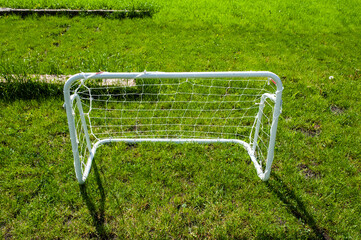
<point x="169" y="191"/>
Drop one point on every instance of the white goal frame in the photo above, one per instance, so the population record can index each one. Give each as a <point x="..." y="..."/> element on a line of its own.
<point x="72" y="99"/>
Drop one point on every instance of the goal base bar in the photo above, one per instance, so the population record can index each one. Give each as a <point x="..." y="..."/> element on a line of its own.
<point x="263" y="175"/>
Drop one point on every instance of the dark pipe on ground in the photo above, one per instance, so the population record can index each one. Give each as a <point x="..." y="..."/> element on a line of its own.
<point x="75" y="12"/>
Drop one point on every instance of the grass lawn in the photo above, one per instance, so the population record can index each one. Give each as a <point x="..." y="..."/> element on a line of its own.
<point x="185" y="191"/>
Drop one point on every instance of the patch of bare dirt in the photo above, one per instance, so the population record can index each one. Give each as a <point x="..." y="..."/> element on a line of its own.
<point x="337" y="110"/>
<point x="307" y="172"/>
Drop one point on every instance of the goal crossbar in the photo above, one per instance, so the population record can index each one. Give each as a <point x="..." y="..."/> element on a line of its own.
<point x="85" y="140"/>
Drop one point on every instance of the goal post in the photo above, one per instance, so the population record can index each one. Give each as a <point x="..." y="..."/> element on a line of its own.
<point x="201" y="107"/>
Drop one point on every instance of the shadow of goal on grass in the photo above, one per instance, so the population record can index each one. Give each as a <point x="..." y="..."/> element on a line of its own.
<point x="96" y="210"/>
<point x="295" y="206"/>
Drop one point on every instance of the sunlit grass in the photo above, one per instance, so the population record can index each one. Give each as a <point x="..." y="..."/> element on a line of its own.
<point x="186" y="191"/>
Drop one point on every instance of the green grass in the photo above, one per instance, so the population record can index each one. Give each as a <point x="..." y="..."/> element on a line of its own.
<point x="185" y="191"/>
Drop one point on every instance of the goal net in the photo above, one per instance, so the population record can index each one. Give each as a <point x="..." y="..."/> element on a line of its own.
<point x="206" y="107"/>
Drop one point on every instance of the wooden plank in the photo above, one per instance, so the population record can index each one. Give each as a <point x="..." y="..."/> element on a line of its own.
<point x="5" y="11"/>
<point x="61" y="79"/>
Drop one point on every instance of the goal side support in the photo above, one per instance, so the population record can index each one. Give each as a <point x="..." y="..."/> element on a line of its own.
<point x="82" y="175"/>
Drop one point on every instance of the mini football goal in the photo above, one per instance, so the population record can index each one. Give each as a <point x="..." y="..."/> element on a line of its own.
<point x="200" y="107"/>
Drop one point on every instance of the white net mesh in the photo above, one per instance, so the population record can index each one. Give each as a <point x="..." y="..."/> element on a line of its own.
<point x="177" y="108"/>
